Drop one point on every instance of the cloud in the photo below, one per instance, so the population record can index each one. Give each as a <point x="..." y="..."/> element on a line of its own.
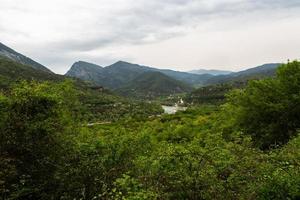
<point x="56" y="32"/>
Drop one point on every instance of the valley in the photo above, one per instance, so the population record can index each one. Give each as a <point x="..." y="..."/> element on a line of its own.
<point x="128" y="131"/>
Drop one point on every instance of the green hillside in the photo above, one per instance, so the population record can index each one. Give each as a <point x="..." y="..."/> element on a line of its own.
<point x="152" y="85"/>
<point x="7" y="52"/>
<point x="217" y="87"/>
<point x="211" y="94"/>
<point x="11" y="71"/>
<point x="98" y="103"/>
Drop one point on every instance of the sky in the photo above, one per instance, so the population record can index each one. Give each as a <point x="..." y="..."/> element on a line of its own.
<point x="176" y="34"/>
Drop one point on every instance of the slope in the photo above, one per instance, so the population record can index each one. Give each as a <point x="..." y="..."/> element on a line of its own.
<point x="259" y="72"/>
<point x="12" y="71"/>
<point x="15" y="56"/>
<point x="150" y="85"/>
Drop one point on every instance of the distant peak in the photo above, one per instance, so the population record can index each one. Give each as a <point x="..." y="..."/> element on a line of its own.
<point x="122" y="62"/>
<point x="81" y="63"/>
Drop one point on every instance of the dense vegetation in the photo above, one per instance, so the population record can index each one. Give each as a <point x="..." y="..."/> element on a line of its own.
<point x="217" y="87"/>
<point x="151" y="85"/>
<point x="269" y="109"/>
<point x="11" y="72"/>
<point x="247" y="148"/>
<point x="213" y="94"/>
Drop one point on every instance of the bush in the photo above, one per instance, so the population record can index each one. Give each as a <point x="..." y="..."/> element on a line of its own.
<point x="269" y="110"/>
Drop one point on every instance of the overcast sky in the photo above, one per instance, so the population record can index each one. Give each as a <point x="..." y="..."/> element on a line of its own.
<point x="177" y="34"/>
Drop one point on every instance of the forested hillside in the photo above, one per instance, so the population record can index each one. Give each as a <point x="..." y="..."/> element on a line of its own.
<point x="97" y="103"/>
<point x="11" y="72"/>
<point x="151" y="85"/>
<point x="217" y="87"/>
<point x="246" y="148"/>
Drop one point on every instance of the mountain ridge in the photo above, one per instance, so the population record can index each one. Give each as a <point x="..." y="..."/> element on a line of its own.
<point x="258" y="72"/>
<point x="118" y="74"/>
<point x="9" y="53"/>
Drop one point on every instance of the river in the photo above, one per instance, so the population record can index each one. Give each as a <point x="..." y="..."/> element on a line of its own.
<point x="173" y="109"/>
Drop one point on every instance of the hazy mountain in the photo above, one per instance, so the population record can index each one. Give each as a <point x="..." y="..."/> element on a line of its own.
<point x="210" y="71"/>
<point x="120" y="73"/>
<point x="252" y="73"/>
<point x="191" y="79"/>
<point x="13" y="55"/>
<point x="153" y="84"/>
<point x="12" y="71"/>
<point x="86" y="71"/>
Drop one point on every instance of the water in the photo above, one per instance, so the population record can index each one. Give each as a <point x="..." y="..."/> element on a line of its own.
<point x="173" y="109"/>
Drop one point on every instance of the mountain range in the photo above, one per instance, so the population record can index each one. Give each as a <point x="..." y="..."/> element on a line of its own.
<point x="259" y="72"/>
<point x="126" y="78"/>
<point x="120" y="73"/>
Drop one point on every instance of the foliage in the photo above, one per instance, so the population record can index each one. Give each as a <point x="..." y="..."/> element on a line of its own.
<point x="213" y="94"/>
<point x="48" y="152"/>
<point x="269" y="110"/>
<point x="36" y="122"/>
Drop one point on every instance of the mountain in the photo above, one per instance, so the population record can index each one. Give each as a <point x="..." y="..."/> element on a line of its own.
<point x="86" y="71"/>
<point x="152" y="84"/>
<point x="259" y="72"/>
<point x="210" y="71"/>
<point x="12" y="71"/>
<point x="15" y="56"/>
<point x="99" y="103"/>
<point x="121" y="73"/>
<point x="218" y="86"/>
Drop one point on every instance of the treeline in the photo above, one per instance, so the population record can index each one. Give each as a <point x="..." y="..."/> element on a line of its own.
<point x="248" y="148"/>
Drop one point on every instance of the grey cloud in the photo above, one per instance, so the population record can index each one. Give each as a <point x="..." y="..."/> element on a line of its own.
<point x="139" y="22"/>
<point x="158" y="20"/>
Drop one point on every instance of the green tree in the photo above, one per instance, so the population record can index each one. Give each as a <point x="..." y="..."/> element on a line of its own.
<point x="35" y="126"/>
<point x="269" y="110"/>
